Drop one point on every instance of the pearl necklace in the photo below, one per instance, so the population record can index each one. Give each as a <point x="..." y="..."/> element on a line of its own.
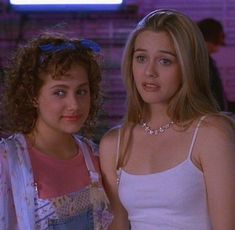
<point x="162" y="129"/>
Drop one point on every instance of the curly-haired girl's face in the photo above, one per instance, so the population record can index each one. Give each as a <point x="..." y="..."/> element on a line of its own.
<point x="64" y="104"/>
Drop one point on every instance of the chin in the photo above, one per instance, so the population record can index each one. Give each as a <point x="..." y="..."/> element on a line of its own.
<point x="72" y="130"/>
<point x="152" y="100"/>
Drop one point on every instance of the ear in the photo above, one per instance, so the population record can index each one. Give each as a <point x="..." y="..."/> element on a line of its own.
<point x="35" y="102"/>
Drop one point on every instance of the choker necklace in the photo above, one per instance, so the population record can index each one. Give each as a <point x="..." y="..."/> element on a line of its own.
<point x="162" y="129"/>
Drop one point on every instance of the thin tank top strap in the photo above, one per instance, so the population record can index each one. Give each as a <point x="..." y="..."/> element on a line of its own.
<point x="195" y="136"/>
<point x="94" y="176"/>
<point x="118" y="169"/>
<point x="118" y="146"/>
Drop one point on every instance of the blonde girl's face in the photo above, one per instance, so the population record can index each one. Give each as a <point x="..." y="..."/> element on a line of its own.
<point x="155" y="66"/>
<point x="64" y="104"/>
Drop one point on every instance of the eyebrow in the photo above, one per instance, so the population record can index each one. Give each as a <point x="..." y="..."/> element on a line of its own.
<point x="161" y="51"/>
<point x="65" y="86"/>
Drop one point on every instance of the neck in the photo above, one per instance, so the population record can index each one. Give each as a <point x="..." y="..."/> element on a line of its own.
<point x="158" y="117"/>
<point x="61" y="146"/>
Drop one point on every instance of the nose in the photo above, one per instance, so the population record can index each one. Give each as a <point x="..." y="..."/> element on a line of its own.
<point x="151" y="69"/>
<point x="73" y="102"/>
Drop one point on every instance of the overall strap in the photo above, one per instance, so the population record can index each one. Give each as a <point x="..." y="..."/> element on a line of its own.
<point x="195" y="136"/>
<point x="94" y="176"/>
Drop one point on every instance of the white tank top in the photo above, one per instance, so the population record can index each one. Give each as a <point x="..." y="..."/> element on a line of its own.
<point x="174" y="199"/>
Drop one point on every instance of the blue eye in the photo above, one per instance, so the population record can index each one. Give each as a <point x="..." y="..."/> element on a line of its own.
<point x="165" y="61"/>
<point x="140" y="58"/>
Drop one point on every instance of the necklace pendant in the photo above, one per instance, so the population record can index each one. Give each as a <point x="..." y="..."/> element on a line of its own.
<point x="156" y="132"/>
<point x="151" y="132"/>
<point x="161" y="130"/>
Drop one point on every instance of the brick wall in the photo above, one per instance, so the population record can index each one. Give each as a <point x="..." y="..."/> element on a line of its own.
<point x="110" y="30"/>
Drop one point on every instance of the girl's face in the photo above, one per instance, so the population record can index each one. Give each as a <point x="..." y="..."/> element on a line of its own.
<point x="64" y="104"/>
<point x="156" y="70"/>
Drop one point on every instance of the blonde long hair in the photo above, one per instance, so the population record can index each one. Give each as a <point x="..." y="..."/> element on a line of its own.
<point x="194" y="98"/>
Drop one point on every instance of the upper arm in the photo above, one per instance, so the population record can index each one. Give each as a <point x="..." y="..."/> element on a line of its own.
<point x="108" y="153"/>
<point x="217" y="156"/>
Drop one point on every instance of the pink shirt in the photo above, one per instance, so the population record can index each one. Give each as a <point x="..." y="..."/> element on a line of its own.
<point x="55" y="177"/>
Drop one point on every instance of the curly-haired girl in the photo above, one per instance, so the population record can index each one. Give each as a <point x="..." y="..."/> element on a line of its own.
<point x="50" y="175"/>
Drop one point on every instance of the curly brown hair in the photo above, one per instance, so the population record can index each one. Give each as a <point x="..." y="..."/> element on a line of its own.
<point x="24" y="79"/>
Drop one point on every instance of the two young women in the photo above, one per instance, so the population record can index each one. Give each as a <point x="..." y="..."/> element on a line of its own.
<point x="169" y="166"/>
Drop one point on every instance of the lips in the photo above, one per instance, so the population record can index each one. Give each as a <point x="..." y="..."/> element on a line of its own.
<point x="150" y="87"/>
<point x="72" y="117"/>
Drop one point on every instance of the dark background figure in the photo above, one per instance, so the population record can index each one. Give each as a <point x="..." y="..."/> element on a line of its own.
<point x="214" y="36"/>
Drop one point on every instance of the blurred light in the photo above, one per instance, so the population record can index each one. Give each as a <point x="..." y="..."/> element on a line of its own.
<point x="65" y="5"/>
<point x="64" y="2"/>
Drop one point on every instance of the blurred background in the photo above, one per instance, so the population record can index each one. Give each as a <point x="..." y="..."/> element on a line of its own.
<point x="110" y="27"/>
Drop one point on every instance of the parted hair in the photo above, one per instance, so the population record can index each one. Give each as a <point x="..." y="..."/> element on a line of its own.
<point x="24" y="79"/>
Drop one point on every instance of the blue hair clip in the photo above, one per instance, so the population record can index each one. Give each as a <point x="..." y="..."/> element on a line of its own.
<point x="51" y="48"/>
<point x="88" y="44"/>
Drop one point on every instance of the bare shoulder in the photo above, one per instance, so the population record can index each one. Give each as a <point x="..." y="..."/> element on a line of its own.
<point x="218" y="127"/>
<point x="109" y="140"/>
<point x="216" y="137"/>
<point x="108" y="146"/>
<point x="111" y="134"/>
